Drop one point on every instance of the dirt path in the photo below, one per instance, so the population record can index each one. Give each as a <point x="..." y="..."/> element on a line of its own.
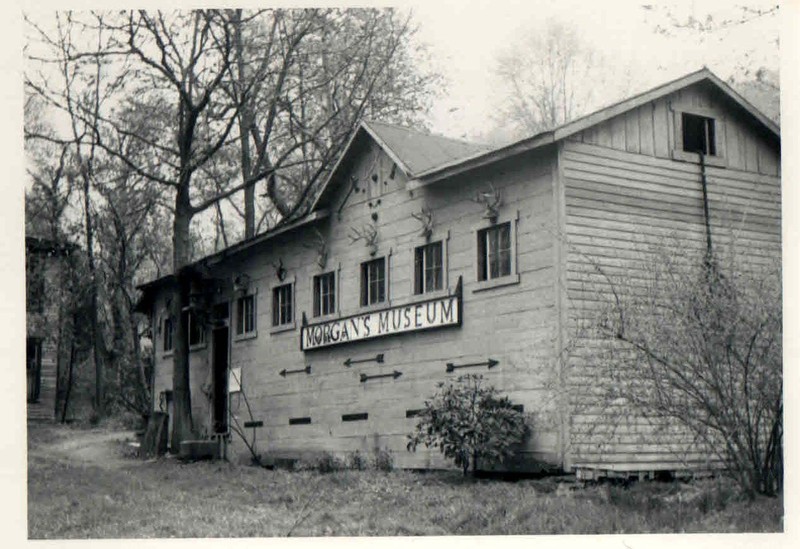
<point x="91" y="447"/>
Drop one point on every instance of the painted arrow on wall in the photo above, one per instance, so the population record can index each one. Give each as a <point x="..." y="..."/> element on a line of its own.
<point x="395" y="375"/>
<point x="377" y="358"/>
<point x="491" y="363"/>
<point x="285" y="372"/>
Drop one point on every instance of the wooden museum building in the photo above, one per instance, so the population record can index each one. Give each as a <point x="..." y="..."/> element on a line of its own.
<point x="423" y="258"/>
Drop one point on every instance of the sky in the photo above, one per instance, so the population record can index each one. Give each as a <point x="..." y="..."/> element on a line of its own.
<point x="465" y="37"/>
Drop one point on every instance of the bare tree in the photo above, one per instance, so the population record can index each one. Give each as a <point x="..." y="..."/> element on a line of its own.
<point x="552" y="77"/>
<point x="82" y="110"/>
<point x="755" y="72"/>
<point x="312" y="75"/>
<point x="183" y="104"/>
<point x="695" y="346"/>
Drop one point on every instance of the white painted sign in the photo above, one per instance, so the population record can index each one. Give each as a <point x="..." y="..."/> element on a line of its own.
<point x="423" y="315"/>
<point x="234" y="380"/>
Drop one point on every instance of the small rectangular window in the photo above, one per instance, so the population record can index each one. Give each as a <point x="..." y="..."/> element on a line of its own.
<point x="699" y="134"/>
<point x="325" y="294"/>
<point x="373" y="282"/>
<point x="494" y="252"/>
<point x="428" y="268"/>
<point x="282" y="305"/>
<point x="197" y="331"/>
<point x="168" y="331"/>
<point x="246" y="315"/>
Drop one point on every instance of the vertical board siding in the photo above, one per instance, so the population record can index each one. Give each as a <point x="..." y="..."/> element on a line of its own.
<point x="514" y="324"/>
<point x="650" y="130"/>
<point x="618" y="205"/>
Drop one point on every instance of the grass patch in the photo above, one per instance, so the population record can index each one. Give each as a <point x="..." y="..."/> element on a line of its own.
<point x="166" y="498"/>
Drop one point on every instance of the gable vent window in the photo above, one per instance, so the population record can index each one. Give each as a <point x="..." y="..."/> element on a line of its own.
<point x="699" y="134"/>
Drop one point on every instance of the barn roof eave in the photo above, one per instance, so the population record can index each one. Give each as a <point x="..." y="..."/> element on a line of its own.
<point x="566" y="130"/>
<point x="215" y="258"/>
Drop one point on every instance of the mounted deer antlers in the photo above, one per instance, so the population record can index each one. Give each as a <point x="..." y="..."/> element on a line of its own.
<point x="280" y="270"/>
<point x="367" y="233"/>
<point x="320" y="245"/>
<point x="425" y="217"/>
<point x="492" y="200"/>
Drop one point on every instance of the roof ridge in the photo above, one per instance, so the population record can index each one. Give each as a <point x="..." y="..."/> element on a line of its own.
<point x="632" y="98"/>
<point x="426" y="133"/>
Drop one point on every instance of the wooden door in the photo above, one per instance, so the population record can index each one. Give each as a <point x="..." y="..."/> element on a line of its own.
<point x="219" y="364"/>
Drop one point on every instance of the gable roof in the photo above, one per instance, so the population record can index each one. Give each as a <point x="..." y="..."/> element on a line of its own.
<point x="426" y="158"/>
<point x="416" y="152"/>
<point x="570" y="128"/>
<point x="413" y="151"/>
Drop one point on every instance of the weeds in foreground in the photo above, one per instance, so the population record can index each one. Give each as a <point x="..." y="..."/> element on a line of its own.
<point x="327" y="462"/>
<point x="167" y="498"/>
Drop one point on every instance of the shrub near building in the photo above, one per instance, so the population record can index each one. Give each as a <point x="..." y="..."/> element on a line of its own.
<point x="469" y="423"/>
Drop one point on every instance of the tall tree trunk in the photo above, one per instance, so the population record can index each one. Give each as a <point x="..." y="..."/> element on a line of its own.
<point x="70" y="368"/>
<point x="182" y="425"/>
<point x="245" y="124"/>
<point x="119" y="347"/>
<point x="144" y="384"/>
<point x="99" y="380"/>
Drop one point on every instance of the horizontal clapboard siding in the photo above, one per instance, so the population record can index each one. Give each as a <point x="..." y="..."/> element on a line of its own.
<point x="622" y="205"/>
<point x="513" y="324"/>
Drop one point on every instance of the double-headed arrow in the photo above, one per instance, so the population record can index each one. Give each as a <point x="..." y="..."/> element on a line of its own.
<point x="307" y="370"/>
<point x="395" y="375"/>
<point x="378" y="358"/>
<point x="491" y="363"/>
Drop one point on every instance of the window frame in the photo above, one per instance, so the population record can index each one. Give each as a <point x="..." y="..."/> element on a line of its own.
<point x="719" y="159"/>
<point x="512" y="220"/>
<point x="442" y="237"/>
<point x="291" y="324"/>
<point x="387" y="259"/>
<point x="336" y="296"/>
<point x="244" y="334"/>
<point x="168" y="334"/>
<point x="708" y="129"/>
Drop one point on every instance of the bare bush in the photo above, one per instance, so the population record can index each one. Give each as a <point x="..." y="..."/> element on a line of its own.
<point x="693" y="342"/>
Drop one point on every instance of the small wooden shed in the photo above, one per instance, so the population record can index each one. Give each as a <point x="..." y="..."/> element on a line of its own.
<point x="46" y="348"/>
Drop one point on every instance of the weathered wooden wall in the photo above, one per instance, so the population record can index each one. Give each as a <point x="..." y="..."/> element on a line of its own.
<point x="514" y="324"/>
<point x="623" y="193"/>
<point x="45" y="326"/>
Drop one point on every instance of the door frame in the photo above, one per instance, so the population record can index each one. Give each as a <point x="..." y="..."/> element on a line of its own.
<point x="221" y="324"/>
